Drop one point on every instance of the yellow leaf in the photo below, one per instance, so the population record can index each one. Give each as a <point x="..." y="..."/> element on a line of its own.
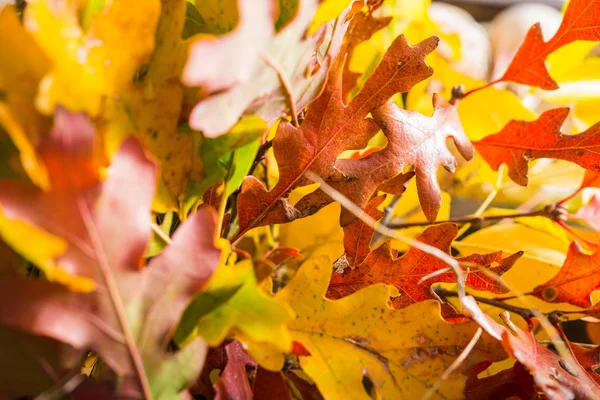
<point x="403" y="352"/>
<point x="232" y="301"/>
<point x="318" y="234"/>
<point x="90" y="64"/>
<point x="155" y="123"/>
<point x="328" y="10"/>
<point x="23" y="66"/>
<point x="42" y="249"/>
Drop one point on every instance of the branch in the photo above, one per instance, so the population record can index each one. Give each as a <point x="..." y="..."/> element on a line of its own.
<point x="554" y="316"/>
<point x="552" y="211"/>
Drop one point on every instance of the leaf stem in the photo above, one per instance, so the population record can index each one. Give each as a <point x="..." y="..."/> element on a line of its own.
<point x="115" y="297"/>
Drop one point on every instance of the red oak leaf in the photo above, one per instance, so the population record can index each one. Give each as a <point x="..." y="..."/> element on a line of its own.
<point x="581" y="21"/>
<point x="367" y="267"/>
<point x="329" y="129"/>
<point x="556" y="377"/>
<point x="129" y="318"/>
<point x="519" y="142"/>
<point x="241" y="70"/>
<point x="516" y="383"/>
<point x="574" y="283"/>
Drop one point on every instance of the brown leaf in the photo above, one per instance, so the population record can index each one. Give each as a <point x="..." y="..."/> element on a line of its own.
<point x="415" y="139"/>
<point x="362" y="27"/>
<point x="330" y="128"/>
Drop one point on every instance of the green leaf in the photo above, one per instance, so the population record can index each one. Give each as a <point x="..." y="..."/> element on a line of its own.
<point x="238" y="304"/>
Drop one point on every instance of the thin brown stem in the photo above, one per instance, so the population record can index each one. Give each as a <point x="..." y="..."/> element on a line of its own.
<point x="286" y="88"/>
<point x="554" y="317"/>
<point x="477" y="89"/>
<point x="545" y="212"/>
<point x="115" y="298"/>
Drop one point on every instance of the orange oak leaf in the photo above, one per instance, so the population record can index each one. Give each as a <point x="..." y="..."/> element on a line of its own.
<point x="330" y="128"/>
<point x="581" y="21"/>
<point x="364" y="267"/>
<point x="577" y="279"/>
<point x="519" y="142"/>
<point x="242" y="71"/>
<point x="130" y="316"/>
<point x="556" y="377"/>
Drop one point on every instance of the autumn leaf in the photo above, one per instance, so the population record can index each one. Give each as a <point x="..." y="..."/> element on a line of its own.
<point x="23" y="66"/>
<point x="330" y="128"/>
<point x="519" y="142"/>
<point x="574" y="283"/>
<point x="83" y="72"/>
<point x="129" y="318"/>
<point x="556" y="377"/>
<point x="360" y="336"/>
<point x="421" y="141"/>
<point x="361" y="267"/>
<point x="361" y="28"/>
<point x="244" y="65"/>
<point x="580" y="22"/>
<point x="231" y="303"/>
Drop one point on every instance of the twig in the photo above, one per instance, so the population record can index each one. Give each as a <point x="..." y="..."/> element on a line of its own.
<point x="525" y="313"/>
<point x="551" y="211"/>
<point x="455" y="365"/>
<point x="286" y="87"/>
<point x="115" y="298"/>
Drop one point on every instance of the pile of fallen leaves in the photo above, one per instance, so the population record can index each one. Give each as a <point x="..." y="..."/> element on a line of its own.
<point x="243" y="199"/>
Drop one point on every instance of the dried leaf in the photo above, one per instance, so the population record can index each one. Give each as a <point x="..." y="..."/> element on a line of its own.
<point x="382" y="265"/>
<point x="329" y="129"/>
